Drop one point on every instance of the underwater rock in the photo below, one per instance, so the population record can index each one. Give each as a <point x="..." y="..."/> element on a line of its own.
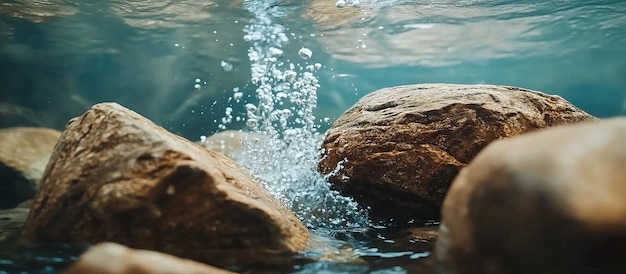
<point x="545" y="202"/>
<point x="112" y="258"/>
<point x="230" y="142"/>
<point x="116" y="176"/>
<point x="24" y="153"/>
<point x="11" y="224"/>
<point x="398" y="149"/>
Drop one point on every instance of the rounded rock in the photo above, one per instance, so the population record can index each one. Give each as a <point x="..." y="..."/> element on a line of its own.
<point x="401" y="147"/>
<point x="545" y="202"/>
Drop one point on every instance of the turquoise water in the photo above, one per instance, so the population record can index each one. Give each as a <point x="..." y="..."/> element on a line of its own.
<point x="60" y="58"/>
<point x="183" y="63"/>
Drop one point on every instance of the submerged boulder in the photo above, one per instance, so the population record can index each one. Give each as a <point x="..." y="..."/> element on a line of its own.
<point x="553" y="201"/>
<point x="116" y="176"/>
<point x="398" y="149"/>
<point x="11" y="224"/>
<point x="24" y="154"/>
<point x="112" y="258"/>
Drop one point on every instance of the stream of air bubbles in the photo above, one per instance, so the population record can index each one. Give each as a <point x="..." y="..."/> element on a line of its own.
<point x="282" y="149"/>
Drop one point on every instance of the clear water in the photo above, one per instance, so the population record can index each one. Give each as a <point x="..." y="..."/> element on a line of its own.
<point x="197" y="67"/>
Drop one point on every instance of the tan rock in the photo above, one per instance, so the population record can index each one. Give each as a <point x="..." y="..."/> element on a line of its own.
<point x="231" y="142"/>
<point x="425" y="233"/>
<point x="116" y="176"/>
<point x="401" y="147"/>
<point x="24" y="154"/>
<point x="112" y="258"/>
<point x="546" y="202"/>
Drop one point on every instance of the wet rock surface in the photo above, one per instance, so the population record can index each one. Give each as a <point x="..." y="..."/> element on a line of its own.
<point x="116" y="176"/>
<point x="398" y="149"/>
<point x="545" y="202"/>
<point x="24" y="153"/>
<point x="112" y="258"/>
<point x="11" y="224"/>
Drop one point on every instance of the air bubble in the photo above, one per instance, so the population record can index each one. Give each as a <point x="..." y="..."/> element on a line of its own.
<point x="275" y="52"/>
<point x="237" y="96"/>
<point x="251" y="107"/>
<point x="226" y="66"/>
<point x="305" y="53"/>
<point x="284" y="160"/>
<point x="290" y="76"/>
<point x="252" y="123"/>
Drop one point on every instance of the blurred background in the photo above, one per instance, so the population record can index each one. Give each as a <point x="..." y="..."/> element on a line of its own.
<point x="59" y="57"/>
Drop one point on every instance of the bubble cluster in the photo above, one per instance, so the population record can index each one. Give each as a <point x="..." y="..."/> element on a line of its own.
<point x="343" y="3"/>
<point x="285" y="158"/>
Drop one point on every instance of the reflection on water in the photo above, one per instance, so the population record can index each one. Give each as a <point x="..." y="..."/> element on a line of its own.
<point x="38" y="259"/>
<point x="61" y="56"/>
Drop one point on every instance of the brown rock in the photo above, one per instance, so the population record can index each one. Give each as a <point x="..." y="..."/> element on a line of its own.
<point x="546" y="202"/>
<point x="112" y="258"/>
<point x="24" y="153"/>
<point x="401" y="147"/>
<point x="116" y="176"/>
<point x="425" y="233"/>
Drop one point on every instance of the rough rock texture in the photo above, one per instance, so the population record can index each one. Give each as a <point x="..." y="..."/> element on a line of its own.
<point x="116" y="176"/>
<point x="24" y="153"/>
<point x="401" y="147"/>
<point x="112" y="258"/>
<point x="546" y="202"/>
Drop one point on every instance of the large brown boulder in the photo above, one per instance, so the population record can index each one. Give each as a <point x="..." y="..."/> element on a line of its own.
<point x="24" y="154"/>
<point x="398" y="149"/>
<point x="553" y="201"/>
<point x="116" y="176"/>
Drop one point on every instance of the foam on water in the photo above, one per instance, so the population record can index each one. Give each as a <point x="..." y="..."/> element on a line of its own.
<point x="285" y="152"/>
